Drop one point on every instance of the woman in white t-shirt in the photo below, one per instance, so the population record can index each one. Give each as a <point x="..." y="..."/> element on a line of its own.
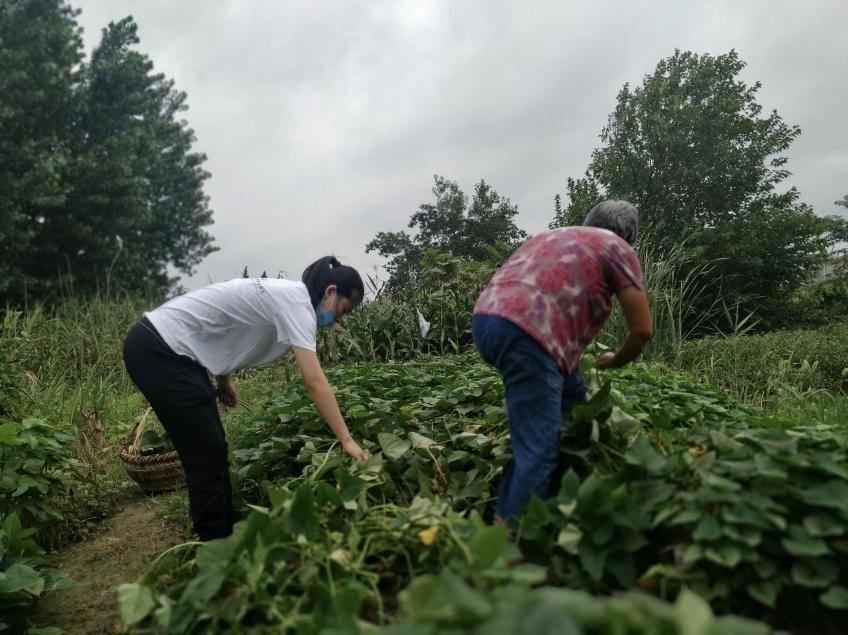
<point x="245" y="322"/>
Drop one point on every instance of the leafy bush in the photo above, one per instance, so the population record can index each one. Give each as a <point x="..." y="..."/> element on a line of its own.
<point x="387" y="328"/>
<point x="63" y="365"/>
<point x="318" y="559"/>
<point x="673" y="485"/>
<point x="444" y="603"/>
<point x="23" y="576"/>
<point x="760" y="364"/>
<point x="818" y="304"/>
<point x="31" y="452"/>
<point x="69" y="339"/>
<point x="666" y="485"/>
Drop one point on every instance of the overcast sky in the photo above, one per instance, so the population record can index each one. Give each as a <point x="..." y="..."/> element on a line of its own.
<point x="324" y="122"/>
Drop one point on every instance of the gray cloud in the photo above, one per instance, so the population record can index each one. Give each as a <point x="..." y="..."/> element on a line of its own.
<point x="324" y="122"/>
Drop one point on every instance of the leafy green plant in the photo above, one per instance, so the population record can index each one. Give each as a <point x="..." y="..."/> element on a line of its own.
<point x="444" y="603"/>
<point x="818" y="304"/>
<point x="691" y="489"/>
<point x="23" y="575"/>
<point x="385" y="329"/>
<point x="154" y="440"/>
<point x="760" y="366"/>
<point x="31" y="453"/>
<point x="665" y="485"/>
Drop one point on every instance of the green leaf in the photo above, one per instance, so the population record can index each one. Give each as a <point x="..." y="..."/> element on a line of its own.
<point x="215" y="555"/>
<point x="569" y="538"/>
<point x="592" y="558"/>
<point x="832" y="494"/>
<point x="442" y="597"/>
<point x="621" y="568"/>
<point x="798" y="543"/>
<point x="528" y="573"/>
<point x="820" y="525"/>
<point x="325" y="494"/>
<point x="536" y="513"/>
<point x="570" y="486"/>
<point x="725" y="555"/>
<point x="765" y="567"/>
<point x="596" y="406"/>
<point x="814" y="573"/>
<point x="393" y="446"/>
<point x="135" y="602"/>
<point x="692" y="554"/>
<point x="487" y="544"/>
<point x="349" y="485"/>
<point x="694" y="615"/>
<point x="303" y="519"/>
<point x="708" y="528"/>
<point x="9" y="434"/>
<point x="745" y="534"/>
<point x="419" y="441"/>
<point x="643" y="454"/>
<point x="764" y="591"/>
<point x="20" y="577"/>
<point x="836" y="597"/>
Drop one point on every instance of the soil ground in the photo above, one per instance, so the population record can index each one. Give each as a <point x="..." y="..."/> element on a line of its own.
<point x="117" y="553"/>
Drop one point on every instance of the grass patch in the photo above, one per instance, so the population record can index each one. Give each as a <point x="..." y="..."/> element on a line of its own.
<point x="761" y="368"/>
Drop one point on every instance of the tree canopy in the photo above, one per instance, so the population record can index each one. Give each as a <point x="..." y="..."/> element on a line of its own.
<point x="99" y="186"/>
<point x="693" y="149"/>
<point x="482" y="230"/>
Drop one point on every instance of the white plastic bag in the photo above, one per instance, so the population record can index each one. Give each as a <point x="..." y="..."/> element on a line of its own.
<point x="423" y="324"/>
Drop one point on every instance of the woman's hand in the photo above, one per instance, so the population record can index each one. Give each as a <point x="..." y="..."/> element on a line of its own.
<point x="607" y="360"/>
<point x="321" y="392"/>
<point x="227" y="392"/>
<point x="352" y="448"/>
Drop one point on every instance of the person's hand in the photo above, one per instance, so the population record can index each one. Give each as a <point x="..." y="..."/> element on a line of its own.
<point x="352" y="448"/>
<point x="227" y="394"/>
<point x="607" y="360"/>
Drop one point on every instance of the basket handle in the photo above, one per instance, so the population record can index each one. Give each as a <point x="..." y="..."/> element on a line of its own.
<point x="133" y="440"/>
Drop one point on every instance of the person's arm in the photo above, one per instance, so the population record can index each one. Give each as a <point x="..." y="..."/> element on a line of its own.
<point x="637" y="314"/>
<point x="321" y="392"/>
<point x="226" y="391"/>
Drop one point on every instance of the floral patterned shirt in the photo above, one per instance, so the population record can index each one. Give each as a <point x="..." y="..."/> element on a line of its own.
<point x="558" y="288"/>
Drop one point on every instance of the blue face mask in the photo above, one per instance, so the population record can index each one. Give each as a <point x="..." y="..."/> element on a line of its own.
<point x="325" y="318"/>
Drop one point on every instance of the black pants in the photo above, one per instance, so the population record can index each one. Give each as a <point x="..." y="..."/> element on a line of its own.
<point x="179" y="390"/>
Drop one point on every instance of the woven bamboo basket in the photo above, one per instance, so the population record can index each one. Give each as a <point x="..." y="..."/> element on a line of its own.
<point x="154" y="472"/>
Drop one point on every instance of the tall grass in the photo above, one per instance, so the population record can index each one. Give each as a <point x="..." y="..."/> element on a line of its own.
<point x="675" y="286"/>
<point x="387" y="327"/>
<point x="57" y="363"/>
<point x="63" y="364"/>
<point x="768" y="367"/>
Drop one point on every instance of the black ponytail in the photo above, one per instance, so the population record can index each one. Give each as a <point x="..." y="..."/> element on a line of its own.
<point x="328" y="270"/>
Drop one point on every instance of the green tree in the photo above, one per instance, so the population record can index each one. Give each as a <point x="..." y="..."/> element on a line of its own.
<point x="692" y="148"/>
<point x="99" y="186"/>
<point x="583" y="195"/>
<point x="40" y="53"/>
<point x="483" y="230"/>
<point x="136" y="203"/>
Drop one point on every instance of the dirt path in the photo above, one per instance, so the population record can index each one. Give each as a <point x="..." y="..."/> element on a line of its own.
<point x="117" y="553"/>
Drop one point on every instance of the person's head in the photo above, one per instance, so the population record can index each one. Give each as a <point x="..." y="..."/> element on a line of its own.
<point x="333" y="286"/>
<point x="620" y="217"/>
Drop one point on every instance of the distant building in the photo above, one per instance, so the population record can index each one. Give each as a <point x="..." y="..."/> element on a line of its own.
<point x="829" y="269"/>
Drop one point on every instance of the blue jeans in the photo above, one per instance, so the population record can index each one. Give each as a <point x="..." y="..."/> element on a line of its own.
<point x="537" y="395"/>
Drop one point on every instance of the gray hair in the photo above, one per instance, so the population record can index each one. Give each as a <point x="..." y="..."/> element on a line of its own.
<point x="619" y="217"/>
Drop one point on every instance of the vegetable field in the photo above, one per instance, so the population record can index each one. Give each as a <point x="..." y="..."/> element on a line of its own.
<point x="674" y="504"/>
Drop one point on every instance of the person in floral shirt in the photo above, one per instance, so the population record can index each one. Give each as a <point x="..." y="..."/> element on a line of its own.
<point x="533" y="321"/>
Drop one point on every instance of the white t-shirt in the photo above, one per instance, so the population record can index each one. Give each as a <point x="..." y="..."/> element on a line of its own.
<point x="236" y="324"/>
